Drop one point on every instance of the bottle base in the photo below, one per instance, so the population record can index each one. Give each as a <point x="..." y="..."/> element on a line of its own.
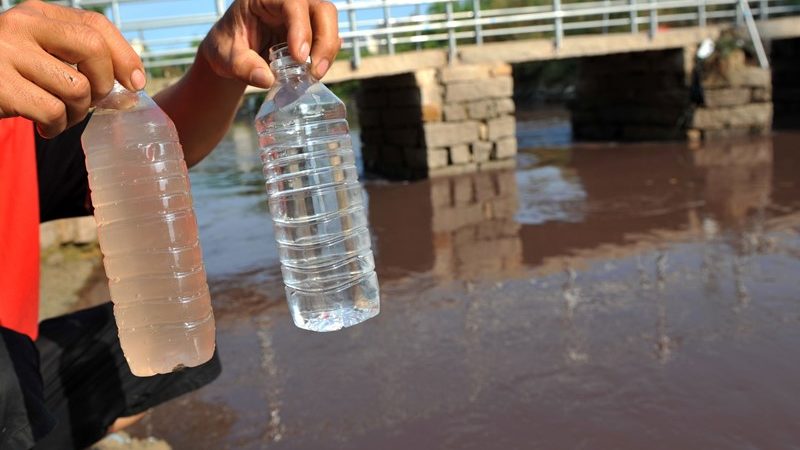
<point x="332" y="311"/>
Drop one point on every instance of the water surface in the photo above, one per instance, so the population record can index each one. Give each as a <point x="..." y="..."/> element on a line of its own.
<point x="599" y="296"/>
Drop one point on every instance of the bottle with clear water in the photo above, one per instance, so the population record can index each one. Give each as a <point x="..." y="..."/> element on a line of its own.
<point x="148" y="234"/>
<point x="315" y="200"/>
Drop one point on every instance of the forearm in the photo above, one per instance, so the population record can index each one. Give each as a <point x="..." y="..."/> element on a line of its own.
<point x="202" y="105"/>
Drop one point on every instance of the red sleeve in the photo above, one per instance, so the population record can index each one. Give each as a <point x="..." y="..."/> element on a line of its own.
<point x="19" y="228"/>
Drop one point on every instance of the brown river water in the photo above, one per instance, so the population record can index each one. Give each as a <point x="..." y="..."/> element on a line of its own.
<point x="604" y="296"/>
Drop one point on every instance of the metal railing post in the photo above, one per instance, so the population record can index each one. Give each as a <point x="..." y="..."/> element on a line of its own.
<point x="476" y="14"/>
<point x="653" y="19"/>
<point x="701" y="13"/>
<point x="451" y="34"/>
<point x="220" y="8"/>
<point x="416" y="33"/>
<point x="633" y="16"/>
<point x="606" y="4"/>
<point x="739" y="15"/>
<point x="5" y="4"/>
<point x="387" y="14"/>
<point x="559" y="24"/>
<point x="763" y="9"/>
<point x="752" y="30"/>
<point x="75" y="3"/>
<point x="351" y="16"/>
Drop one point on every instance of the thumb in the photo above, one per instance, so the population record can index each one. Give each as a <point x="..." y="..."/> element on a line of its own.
<point x="250" y="67"/>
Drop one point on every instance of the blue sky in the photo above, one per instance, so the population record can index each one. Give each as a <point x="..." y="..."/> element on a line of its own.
<point x="148" y="10"/>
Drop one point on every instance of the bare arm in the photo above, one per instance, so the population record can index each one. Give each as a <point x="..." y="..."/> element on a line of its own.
<point x="202" y="105"/>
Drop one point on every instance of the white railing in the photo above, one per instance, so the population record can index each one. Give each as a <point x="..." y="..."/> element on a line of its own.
<point x="389" y="26"/>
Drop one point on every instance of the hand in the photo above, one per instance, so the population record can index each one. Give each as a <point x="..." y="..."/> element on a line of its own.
<point x="56" y="61"/>
<point x="237" y="44"/>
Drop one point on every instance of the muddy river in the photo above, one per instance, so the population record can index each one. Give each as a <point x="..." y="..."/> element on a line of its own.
<point x="599" y="296"/>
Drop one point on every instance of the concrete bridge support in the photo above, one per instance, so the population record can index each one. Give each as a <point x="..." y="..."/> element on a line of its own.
<point x="435" y="122"/>
<point x="657" y="96"/>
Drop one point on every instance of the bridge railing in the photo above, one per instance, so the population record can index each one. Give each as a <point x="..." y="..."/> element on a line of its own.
<point x="373" y="27"/>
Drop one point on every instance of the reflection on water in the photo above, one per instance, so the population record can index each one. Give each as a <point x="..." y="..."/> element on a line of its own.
<point x="636" y="296"/>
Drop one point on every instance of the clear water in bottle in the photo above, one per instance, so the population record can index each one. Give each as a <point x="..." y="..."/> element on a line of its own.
<point x="315" y="201"/>
<point x="148" y="234"/>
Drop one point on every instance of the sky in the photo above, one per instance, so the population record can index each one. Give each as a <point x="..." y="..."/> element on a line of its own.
<point x="155" y="9"/>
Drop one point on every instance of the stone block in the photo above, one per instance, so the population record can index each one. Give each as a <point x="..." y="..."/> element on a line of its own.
<point x="426" y="77"/>
<point x="436" y="158"/>
<point x="500" y="69"/>
<point x="505" y="148"/>
<point x="751" y="76"/>
<point x="505" y="106"/>
<point x="762" y="94"/>
<point x="447" y="134"/>
<point x="482" y="109"/>
<point x="463" y="72"/>
<point x="502" y="127"/>
<point x="477" y="90"/>
<point x="455" y="112"/>
<point x="481" y="151"/>
<point x="726" y="97"/>
<point x="460" y="154"/>
<point x="432" y="113"/>
<point x="422" y="158"/>
<point x="79" y="230"/>
<point x="754" y="114"/>
<point x="430" y="94"/>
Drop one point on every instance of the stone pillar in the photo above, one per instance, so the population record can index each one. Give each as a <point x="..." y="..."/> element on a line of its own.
<point x="656" y="95"/>
<point x="737" y="101"/>
<point x="436" y="122"/>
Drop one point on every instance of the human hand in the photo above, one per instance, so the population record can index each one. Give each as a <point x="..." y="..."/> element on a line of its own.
<point x="236" y="43"/>
<point x="56" y="61"/>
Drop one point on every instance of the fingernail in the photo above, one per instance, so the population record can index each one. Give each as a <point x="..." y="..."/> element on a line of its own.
<point x="322" y="66"/>
<point x="138" y="79"/>
<point x="259" y="78"/>
<point x="304" y="51"/>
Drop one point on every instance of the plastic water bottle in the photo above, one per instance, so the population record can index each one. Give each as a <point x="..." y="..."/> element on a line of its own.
<point x="148" y="234"/>
<point x="315" y="200"/>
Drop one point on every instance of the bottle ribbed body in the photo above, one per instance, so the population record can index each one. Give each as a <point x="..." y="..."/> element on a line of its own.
<point x="317" y="207"/>
<point x="147" y="232"/>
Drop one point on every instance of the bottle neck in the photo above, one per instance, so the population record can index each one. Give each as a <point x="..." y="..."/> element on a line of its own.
<point x="284" y="66"/>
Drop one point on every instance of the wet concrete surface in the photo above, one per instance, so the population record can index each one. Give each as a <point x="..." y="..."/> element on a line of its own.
<point x="600" y="296"/>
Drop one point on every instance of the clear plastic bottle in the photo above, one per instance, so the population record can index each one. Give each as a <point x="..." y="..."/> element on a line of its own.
<point x="315" y="201"/>
<point x="148" y="234"/>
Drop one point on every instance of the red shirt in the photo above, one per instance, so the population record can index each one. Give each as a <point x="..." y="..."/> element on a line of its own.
<point x="19" y="228"/>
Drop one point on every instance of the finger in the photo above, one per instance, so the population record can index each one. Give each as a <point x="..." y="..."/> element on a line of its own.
<point x="326" y="43"/>
<point x="128" y="67"/>
<point x="60" y="80"/>
<point x="34" y="103"/>
<point x="298" y="28"/>
<point x="81" y="45"/>
<point x="251" y="68"/>
<point x="126" y="62"/>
